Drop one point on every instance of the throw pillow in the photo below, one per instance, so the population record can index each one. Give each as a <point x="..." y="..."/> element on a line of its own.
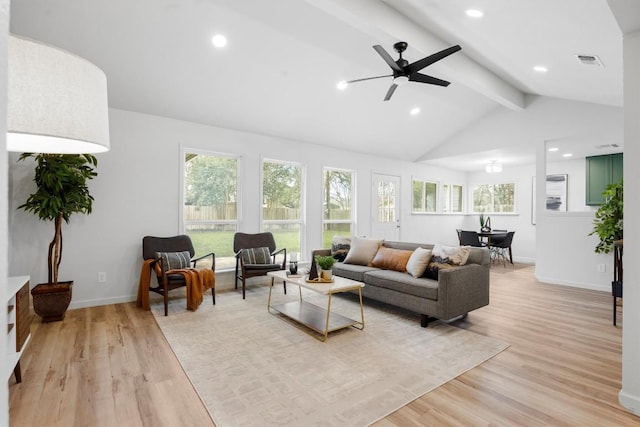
<point x="362" y="250"/>
<point x="418" y="261"/>
<point x="340" y="247"/>
<point x="256" y="256"/>
<point x="391" y="259"/>
<point x="174" y="260"/>
<point x="444" y="257"/>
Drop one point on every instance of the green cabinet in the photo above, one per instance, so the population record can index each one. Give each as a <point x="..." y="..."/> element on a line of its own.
<point x="602" y="171"/>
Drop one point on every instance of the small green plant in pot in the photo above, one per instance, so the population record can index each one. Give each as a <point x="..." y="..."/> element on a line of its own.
<point x="325" y="264"/>
<point x="609" y="218"/>
<point x="61" y="181"/>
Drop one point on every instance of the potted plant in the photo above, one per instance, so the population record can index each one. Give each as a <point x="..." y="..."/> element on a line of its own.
<point x="61" y="181"/>
<point x="325" y="264"/>
<point x="485" y="224"/>
<point x="608" y="221"/>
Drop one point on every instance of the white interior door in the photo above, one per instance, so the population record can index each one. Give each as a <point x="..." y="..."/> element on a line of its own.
<point x="385" y="223"/>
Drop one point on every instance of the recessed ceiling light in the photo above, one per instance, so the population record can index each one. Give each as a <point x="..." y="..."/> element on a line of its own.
<point x="553" y="149"/>
<point x="567" y="155"/>
<point x="414" y="111"/>
<point x="540" y="68"/>
<point x="219" y="40"/>
<point x="474" y="13"/>
<point x="342" y="85"/>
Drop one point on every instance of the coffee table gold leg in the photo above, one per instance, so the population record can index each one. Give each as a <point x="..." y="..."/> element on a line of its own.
<point x="269" y="300"/>
<point x="361" y="307"/>
<point x="300" y="291"/>
<point x="326" y="326"/>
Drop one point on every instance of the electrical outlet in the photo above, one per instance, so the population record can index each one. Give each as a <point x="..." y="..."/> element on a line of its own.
<point x="102" y="277"/>
<point x="602" y="268"/>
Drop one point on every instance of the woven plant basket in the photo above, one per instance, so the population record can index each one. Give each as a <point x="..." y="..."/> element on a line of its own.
<point x="50" y="302"/>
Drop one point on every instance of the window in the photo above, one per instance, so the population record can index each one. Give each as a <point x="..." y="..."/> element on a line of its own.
<point x="492" y="198"/>
<point x="210" y="204"/>
<point x="452" y="198"/>
<point x="424" y="196"/>
<point x="337" y="204"/>
<point x="282" y="201"/>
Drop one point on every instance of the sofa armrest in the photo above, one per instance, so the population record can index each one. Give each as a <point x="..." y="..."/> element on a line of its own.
<point x="462" y="289"/>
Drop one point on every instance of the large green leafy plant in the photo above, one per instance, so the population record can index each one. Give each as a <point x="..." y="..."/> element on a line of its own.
<point x="608" y="221"/>
<point x="62" y="190"/>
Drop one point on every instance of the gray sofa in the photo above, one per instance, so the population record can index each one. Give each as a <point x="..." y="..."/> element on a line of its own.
<point x="457" y="291"/>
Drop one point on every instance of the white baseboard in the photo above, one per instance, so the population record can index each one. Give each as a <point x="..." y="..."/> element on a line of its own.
<point x="591" y="286"/>
<point x="102" y="301"/>
<point x="630" y="402"/>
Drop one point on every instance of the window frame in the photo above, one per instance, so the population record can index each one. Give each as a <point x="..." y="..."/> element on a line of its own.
<point x="303" y="197"/>
<point x="184" y="150"/>
<point x="436" y="199"/>
<point x="449" y="200"/>
<point x="352" y="208"/>
<point x="474" y="186"/>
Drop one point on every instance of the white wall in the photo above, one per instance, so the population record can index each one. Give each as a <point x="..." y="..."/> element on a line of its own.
<point x="564" y="251"/>
<point x="4" y="229"/>
<point x="137" y="192"/>
<point x="630" y="393"/>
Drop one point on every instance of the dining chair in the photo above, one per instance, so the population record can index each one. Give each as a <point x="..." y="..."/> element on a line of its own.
<point x="470" y="238"/>
<point x="501" y="245"/>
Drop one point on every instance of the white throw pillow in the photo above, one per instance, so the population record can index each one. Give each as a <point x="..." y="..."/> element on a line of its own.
<point x="418" y="262"/>
<point x="362" y="250"/>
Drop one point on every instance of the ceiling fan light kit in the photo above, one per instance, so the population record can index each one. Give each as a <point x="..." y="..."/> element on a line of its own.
<point x="403" y="71"/>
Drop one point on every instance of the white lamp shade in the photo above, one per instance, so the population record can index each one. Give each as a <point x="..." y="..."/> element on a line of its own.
<point x="56" y="101"/>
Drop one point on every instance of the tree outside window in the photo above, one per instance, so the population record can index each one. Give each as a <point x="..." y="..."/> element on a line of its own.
<point x="494" y="198"/>
<point x="425" y="196"/>
<point x="282" y="196"/>
<point x="210" y="204"/>
<point x="337" y="204"/>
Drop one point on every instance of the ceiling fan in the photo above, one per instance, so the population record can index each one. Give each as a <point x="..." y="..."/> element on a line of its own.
<point x="404" y="72"/>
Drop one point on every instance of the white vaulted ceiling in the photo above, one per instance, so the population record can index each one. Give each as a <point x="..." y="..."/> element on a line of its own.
<point x="278" y="74"/>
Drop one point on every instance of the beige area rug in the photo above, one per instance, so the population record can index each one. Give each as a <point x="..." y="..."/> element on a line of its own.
<point x="252" y="368"/>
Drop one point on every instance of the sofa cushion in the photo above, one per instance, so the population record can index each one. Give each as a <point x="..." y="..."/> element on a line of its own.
<point x="340" y="246"/>
<point x="402" y="282"/>
<point x="362" y="250"/>
<point x="351" y="271"/>
<point x="391" y="259"/>
<point x="418" y="261"/>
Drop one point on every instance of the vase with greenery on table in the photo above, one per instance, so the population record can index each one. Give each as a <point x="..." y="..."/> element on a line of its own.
<point x="325" y="265"/>
<point x="61" y="190"/>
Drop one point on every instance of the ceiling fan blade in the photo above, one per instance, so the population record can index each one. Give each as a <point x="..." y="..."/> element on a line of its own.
<point x="422" y="78"/>
<point x="390" y="92"/>
<point x="368" y="78"/>
<point x="387" y="58"/>
<point x="421" y="63"/>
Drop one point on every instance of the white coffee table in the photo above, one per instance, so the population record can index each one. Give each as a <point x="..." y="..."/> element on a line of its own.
<point x="320" y="319"/>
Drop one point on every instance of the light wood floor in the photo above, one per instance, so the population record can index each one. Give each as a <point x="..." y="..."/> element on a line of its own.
<point x="111" y="366"/>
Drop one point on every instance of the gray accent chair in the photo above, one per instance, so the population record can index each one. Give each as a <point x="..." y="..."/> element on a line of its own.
<point x="151" y="245"/>
<point x="244" y="241"/>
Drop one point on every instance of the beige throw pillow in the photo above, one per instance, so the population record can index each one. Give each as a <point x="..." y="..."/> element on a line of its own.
<point x="362" y="250"/>
<point x="418" y="262"/>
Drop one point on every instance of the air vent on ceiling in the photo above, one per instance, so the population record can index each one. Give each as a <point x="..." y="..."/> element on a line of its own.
<point x="590" y="60"/>
<point x="603" y="146"/>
